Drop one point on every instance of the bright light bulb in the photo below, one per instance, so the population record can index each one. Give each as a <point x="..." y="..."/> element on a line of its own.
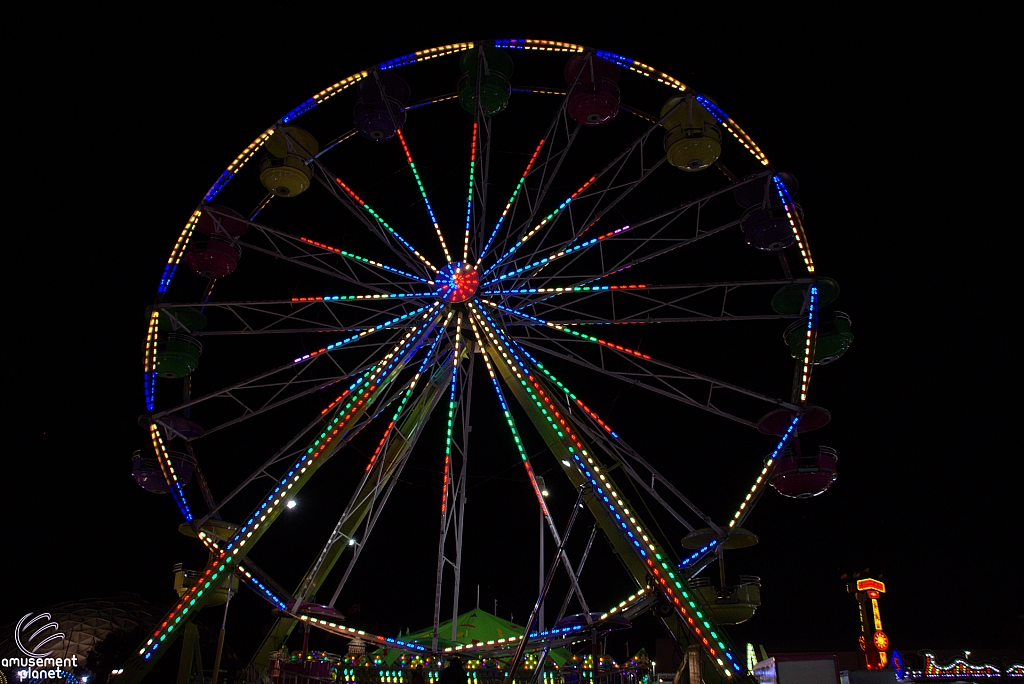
<point x="291" y="503"/>
<point x="351" y="542"/>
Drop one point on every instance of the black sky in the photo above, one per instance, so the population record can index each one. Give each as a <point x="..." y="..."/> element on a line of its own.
<point x="896" y="125"/>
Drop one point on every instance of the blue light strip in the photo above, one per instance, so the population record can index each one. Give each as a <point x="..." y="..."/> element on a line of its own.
<point x="541" y="262"/>
<point x="166" y="278"/>
<point x="219" y="185"/>
<point x="149" y="381"/>
<point x="398" y="61"/>
<point x="614" y="58"/>
<point x="256" y="585"/>
<point x="299" y="111"/>
<point x="697" y="554"/>
<point x="521" y="242"/>
<point x="713" y="109"/>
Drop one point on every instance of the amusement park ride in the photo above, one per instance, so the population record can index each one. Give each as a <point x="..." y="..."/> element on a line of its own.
<point x="608" y="222"/>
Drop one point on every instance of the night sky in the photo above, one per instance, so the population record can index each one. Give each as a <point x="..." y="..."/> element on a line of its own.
<point x="895" y="127"/>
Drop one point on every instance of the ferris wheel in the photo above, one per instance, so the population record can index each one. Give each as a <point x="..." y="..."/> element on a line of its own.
<point x="508" y="227"/>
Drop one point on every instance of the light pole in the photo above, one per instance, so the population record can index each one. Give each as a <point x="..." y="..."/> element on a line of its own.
<point x="540" y="586"/>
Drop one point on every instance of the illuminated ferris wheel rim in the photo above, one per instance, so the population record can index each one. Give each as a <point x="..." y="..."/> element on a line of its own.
<point x="471" y="286"/>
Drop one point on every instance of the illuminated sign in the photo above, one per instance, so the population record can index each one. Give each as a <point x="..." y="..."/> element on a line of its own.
<point x="881" y="641"/>
<point x="863" y="584"/>
<point x="876" y="614"/>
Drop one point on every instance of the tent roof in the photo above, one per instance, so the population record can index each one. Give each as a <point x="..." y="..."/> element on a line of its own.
<point x="471" y="627"/>
<point x="475" y="626"/>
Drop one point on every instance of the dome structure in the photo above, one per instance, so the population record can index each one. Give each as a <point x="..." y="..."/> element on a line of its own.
<point x="84" y="624"/>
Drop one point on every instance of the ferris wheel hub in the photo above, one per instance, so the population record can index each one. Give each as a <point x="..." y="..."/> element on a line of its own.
<point x="457" y="282"/>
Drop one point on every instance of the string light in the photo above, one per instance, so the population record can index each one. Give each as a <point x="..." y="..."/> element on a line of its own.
<point x="794" y="220"/>
<point x="734" y="129"/>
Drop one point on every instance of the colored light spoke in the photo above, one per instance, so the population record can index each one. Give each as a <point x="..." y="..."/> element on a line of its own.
<point x="469" y="195"/>
<point x="567" y="330"/>
<point x="364" y="333"/>
<point x="557" y="255"/>
<point x="761" y="479"/>
<point x="351" y="298"/>
<point x="362" y="260"/>
<point x="423" y="193"/>
<point x="451" y="418"/>
<point x="511" y="424"/>
<point x="384" y="224"/>
<point x="511" y="200"/>
<point x="533" y="231"/>
<point x="561" y="290"/>
<point x="537" y="364"/>
<point x="245" y="574"/>
<point x="408" y="393"/>
<point x="794" y="220"/>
